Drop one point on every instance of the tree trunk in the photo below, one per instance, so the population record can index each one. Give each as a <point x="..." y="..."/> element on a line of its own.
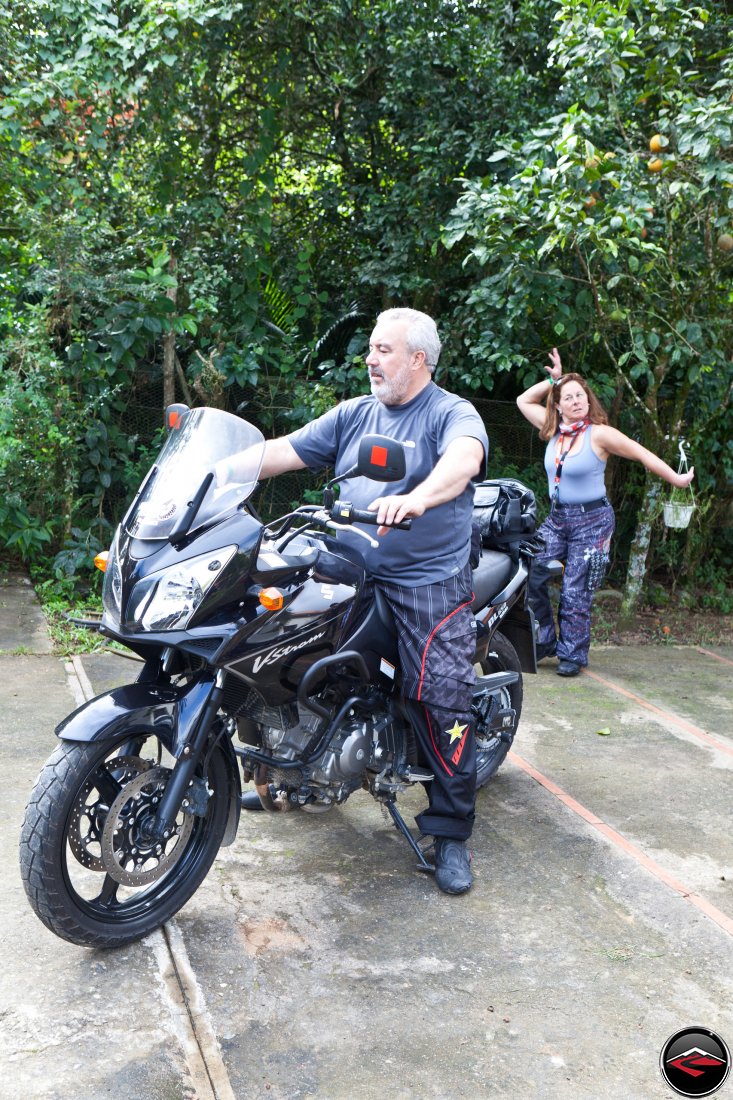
<point x="169" y="349"/>
<point x="180" y="375"/>
<point x="639" y="550"/>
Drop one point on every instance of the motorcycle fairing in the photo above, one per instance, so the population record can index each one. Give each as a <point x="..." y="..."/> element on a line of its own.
<point x="375" y="638"/>
<point x="495" y="579"/>
<point x="141" y="559"/>
<point x="312" y="624"/>
<point x="491" y="575"/>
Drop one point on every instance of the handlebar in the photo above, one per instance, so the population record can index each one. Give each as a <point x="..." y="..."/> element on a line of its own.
<point x="342" y="514"/>
<point x="345" y="513"/>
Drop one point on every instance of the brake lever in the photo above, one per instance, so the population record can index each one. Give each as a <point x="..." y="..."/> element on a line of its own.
<point x="350" y="527"/>
<point x="323" y="519"/>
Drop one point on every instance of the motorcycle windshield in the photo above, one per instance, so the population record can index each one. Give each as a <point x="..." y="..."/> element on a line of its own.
<point x="205" y="441"/>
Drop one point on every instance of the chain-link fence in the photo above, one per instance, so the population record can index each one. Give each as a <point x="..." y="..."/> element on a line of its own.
<point x="515" y="447"/>
<point x="515" y="451"/>
<point x="512" y="438"/>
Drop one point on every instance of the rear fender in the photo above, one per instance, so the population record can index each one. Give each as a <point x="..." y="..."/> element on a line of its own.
<point x="518" y="627"/>
<point x="169" y="713"/>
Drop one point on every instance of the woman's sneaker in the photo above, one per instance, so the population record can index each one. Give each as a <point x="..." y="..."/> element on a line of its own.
<point x="568" y="668"/>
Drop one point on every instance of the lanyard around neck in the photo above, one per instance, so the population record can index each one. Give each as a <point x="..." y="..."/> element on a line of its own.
<point x="572" y="432"/>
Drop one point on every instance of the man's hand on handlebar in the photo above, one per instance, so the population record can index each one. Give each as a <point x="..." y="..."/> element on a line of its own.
<point x="392" y="509"/>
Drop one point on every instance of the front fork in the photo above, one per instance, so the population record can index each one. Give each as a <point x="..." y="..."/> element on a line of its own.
<point x="195" y="723"/>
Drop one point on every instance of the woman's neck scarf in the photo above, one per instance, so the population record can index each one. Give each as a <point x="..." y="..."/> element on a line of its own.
<point x="575" y="428"/>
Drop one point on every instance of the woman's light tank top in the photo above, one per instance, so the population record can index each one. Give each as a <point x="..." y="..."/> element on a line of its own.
<point x="583" y="476"/>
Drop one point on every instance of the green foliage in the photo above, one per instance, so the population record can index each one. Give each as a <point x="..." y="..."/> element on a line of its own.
<point x="37" y="463"/>
<point x="22" y="532"/>
<point x="62" y="603"/>
<point x="583" y="238"/>
<point x="75" y="560"/>
<point x="192" y="195"/>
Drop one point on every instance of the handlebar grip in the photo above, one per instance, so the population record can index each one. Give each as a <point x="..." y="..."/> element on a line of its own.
<point x="346" y="513"/>
<point x="401" y="525"/>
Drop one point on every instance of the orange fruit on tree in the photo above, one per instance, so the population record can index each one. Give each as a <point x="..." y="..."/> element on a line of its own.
<point x="657" y="143"/>
<point x="655" y="164"/>
<point x="725" y="242"/>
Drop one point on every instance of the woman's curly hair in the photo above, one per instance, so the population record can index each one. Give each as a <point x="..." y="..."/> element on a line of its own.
<point x="596" y="412"/>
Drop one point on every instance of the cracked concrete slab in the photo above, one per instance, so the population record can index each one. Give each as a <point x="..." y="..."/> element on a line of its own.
<point x="324" y="965"/>
<point x="24" y="626"/>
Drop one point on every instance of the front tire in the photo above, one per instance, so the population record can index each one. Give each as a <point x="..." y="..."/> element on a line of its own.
<point x="491" y="751"/>
<point x="91" y="874"/>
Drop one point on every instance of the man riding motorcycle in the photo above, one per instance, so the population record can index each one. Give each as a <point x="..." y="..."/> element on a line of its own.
<point x="424" y="573"/>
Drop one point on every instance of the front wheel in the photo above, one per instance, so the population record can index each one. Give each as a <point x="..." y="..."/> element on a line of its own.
<point x="491" y="749"/>
<point x="92" y="871"/>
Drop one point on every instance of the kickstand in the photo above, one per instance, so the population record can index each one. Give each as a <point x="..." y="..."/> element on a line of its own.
<point x="400" y="824"/>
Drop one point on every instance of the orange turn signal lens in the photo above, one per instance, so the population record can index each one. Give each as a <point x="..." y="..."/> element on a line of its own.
<point x="271" y="598"/>
<point x="101" y="560"/>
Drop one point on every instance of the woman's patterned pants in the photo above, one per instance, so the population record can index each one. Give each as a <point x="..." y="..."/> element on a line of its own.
<point x="571" y="535"/>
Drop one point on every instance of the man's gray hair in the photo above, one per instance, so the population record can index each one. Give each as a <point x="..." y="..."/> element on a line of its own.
<point x="421" y="333"/>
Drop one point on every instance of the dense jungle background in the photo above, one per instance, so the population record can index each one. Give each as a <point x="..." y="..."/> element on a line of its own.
<point x="210" y="201"/>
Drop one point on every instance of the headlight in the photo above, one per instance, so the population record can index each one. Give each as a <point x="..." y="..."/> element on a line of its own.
<point x="112" y="587"/>
<point x="167" y="600"/>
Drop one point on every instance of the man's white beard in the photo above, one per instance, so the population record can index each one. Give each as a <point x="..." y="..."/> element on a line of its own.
<point x="392" y="392"/>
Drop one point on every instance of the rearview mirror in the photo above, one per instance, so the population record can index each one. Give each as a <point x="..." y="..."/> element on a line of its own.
<point x="173" y="415"/>
<point x="381" y="458"/>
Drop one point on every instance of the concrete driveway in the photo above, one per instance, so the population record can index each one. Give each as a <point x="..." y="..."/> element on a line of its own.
<point x="316" y="961"/>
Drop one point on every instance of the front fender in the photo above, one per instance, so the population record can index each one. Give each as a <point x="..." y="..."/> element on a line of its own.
<point x="172" y="713"/>
<point x="169" y="713"/>
<point x="124" y="710"/>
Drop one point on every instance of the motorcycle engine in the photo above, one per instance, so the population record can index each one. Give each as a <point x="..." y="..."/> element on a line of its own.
<point x="361" y="743"/>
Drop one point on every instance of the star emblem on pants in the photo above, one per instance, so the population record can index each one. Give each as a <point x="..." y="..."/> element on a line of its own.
<point x="456" y="731"/>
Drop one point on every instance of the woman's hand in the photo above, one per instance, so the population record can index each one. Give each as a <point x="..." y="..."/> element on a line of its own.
<point x="683" y="480"/>
<point x="555" y="368"/>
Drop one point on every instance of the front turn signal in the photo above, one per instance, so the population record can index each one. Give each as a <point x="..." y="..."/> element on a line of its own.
<point x="101" y="560"/>
<point x="271" y="598"/>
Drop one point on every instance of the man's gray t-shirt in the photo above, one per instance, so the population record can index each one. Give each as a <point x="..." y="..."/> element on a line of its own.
<point x="438" y="544"/>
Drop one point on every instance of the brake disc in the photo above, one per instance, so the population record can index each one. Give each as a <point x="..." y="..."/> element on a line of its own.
<point x="87" y="818"/>
<point x="130" y="856"/>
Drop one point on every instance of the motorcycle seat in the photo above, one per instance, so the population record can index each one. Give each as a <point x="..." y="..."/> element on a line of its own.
<point x="492" y="573"/>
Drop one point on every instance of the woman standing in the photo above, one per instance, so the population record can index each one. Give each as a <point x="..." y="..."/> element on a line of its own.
<point x="579" y="527"/>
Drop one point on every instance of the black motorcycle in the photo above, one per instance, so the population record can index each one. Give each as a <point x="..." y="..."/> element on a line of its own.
<point x="265" y="656"/>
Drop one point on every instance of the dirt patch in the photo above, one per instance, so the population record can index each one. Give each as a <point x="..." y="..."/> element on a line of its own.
<point x="659" y="626"/>
<point x="269" y="935"/>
